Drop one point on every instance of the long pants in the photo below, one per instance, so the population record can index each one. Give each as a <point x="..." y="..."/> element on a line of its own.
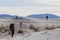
<point x="12" y="33"/>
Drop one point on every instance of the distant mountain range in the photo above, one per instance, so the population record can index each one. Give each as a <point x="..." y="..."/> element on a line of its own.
<point x="8" y="16"/>
<point x="43" y="16"/>
<point x="30" y="16"/>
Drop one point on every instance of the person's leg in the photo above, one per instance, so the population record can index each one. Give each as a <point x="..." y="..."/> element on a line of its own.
<point x="12" y="33"/>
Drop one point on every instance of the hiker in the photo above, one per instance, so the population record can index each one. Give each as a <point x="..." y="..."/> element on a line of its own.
<point x="46" y="17"/>
<point x="16" y="17"/>
<point x="12" y="29"/>
<point x="21" y="31"/>
<point x="20" y="24"/>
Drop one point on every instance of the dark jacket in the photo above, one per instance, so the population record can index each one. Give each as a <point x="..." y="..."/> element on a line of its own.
<point x="11" y="27"/>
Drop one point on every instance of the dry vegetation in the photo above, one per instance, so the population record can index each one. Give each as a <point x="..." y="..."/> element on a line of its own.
<point x="34" y="27"/>
<point x="1" y="29"/>
<point x="58" y="26"/>
<point x="49" y="27"/>
<point x="31" y="26"/>
<point x="5" y="29"/>
<point x="20" y="31"/>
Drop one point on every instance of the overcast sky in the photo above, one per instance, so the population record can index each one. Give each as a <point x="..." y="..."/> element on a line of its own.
<point x="28" y="7"/>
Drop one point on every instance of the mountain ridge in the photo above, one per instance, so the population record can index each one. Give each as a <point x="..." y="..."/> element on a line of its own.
<point x="8" y="16"/>
<point x="43" y="16"/>
<point x="30" y="16"/>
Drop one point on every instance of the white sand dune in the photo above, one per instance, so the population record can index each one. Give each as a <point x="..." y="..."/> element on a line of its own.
<point x="44" y="35"/>
<point x="41" y="23"/>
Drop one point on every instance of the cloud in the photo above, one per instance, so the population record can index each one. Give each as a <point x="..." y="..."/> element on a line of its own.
<point x="48" y="2"/>
<point x="29" y="3"/>
<point x="28" y="7"/>
<point x="24" y="11"/>
<point x="20" y="3"/>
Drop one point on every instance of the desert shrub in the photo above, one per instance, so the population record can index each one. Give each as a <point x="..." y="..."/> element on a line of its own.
<point x="34" y="27"/>
<point x="31" y="26"/>
<point x="9" y="32"/>
<point x="20" y="31"/>
<point x="23" y="31"/>
<point x="1" y="28"/>
<point x="50" y="27"/>
<point x="6" y="29"/>
<point x="58" y="26"/>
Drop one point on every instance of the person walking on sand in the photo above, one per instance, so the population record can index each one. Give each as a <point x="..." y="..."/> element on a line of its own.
<point x="12" y="29"/>
<point x="46" y="17"/>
